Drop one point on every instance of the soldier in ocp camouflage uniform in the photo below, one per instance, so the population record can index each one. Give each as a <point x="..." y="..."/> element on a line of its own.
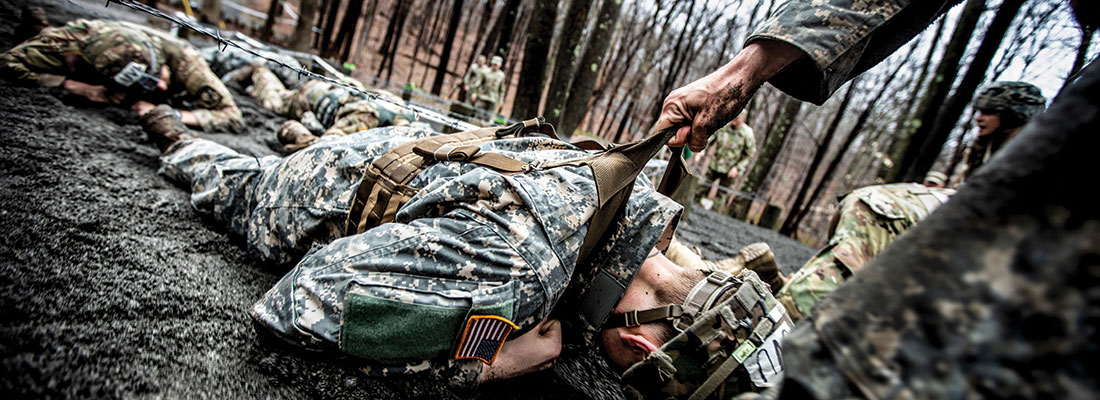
<point x="868" y="220"/>
<point x="87" y="57"/>
<point x="1002" y="109"/>
<point x="472" y="79"/>
<point x="733" y="147"/>
<point x="472" y="241"/>
<point x="320" y="108"/>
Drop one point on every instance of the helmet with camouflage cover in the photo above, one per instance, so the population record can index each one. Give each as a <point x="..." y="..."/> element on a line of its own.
<point x="1017" y="102"/>
<point x="124" y="56"/>
<point x="730" y="345"/>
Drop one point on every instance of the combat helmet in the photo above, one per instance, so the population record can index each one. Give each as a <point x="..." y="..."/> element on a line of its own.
<point x="125" y="57"/>
<point x="1017" y="102"/>
<point x="726" y="343"/>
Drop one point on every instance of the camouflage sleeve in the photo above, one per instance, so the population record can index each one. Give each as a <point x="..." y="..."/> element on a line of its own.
<point x="216" y="107"/>
<point x="400" y="295"/>
<point x="842" y="39"/>
<point x="34" y="61"/>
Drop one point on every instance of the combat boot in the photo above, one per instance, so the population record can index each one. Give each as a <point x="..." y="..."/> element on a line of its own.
<point x="760" y="259"/>
<point x="757" y="257"/>
<point x="31" y="21"/>
<point x="163" y="126"/>
<point x="294" y="136"/>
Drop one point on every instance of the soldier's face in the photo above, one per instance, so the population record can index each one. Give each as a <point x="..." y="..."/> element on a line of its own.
<point x="987" y="122"/>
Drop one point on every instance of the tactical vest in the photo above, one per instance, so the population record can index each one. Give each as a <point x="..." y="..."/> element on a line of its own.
<point x="592" y="293"/>
<point x="732" y="348"/>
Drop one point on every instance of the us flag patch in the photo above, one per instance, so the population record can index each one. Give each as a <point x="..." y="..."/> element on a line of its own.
<point x="483" y="337"/>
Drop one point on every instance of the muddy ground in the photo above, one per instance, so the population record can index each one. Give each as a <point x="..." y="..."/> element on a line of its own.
<point x="114" y="287"/>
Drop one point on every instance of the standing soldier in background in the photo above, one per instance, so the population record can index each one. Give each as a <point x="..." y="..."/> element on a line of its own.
<point x="472" y="79"/>
<point x="1002" y="109"/>
<point x="490" y="89"/>
<point x="120" y="62"/>
<point x="732" y="147"/>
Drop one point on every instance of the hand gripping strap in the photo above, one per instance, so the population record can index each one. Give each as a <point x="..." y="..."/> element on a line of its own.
<point x="614" y="172"/>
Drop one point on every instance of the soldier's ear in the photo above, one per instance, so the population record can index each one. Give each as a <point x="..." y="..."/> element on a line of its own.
<point x="639" y="344"/>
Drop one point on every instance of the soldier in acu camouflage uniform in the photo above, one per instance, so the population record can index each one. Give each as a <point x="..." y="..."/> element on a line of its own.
<point x="472" y="242"/>
<point x="321" y="108"/>
<point x="109" y="61"/>
<point x="994" y="295"/>
<point x="1002" y="109"/>
<point x="733" y="147"/>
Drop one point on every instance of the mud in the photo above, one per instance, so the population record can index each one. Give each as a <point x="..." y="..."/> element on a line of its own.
<point x="114" y="287"/>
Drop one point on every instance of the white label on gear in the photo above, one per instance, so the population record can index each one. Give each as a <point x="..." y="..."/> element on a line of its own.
<point x="765" y="365"/>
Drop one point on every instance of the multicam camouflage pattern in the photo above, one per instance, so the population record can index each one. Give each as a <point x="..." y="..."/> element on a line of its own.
<point x="735" y="148"/>
<point x="490" y="88"/>
<point x="869" y="219"/>
<point x="75" y="51"/>
<point x="842" y="38"/>
<point x="1021" y="99"/>
<point x="473" y="75"/>
<point x="739" y="337"/>
<point x="471" y="239"/>
<point x="353" y="113"/>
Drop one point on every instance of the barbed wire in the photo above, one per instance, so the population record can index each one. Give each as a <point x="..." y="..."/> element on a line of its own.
<point x="225" y="44"/>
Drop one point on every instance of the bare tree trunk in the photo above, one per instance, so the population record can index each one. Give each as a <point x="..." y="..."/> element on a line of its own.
<point x="905" y="122"/>
<point x="507" y="25"/>
<point x="942" y="80"/>
<point x="329" y="24"/>
<point x="777" y="137"/>
<point x="565" y="59"/>
<point x="1082" y="53"/>
<point x="393" y="37"/>
<point x="448" y="44"/>
<point x="536" y="50"/>
<point x="800" y="211"/>
<point x="340" y="48"/>
<point x="581" y="89"/>
<point x="798" y="208"/>
<point x="273" y="12"/>
<point x="303" y="32"/>
<point x="365" y="33"/>
<point x="919" y="159"/>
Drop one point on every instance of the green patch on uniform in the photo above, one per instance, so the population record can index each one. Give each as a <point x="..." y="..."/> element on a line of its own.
<point x="393" y="331"/>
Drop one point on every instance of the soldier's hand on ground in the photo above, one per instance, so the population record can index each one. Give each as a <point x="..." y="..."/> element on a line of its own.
<point x="534" y="351"/>
<point x="700" y="108"/>
<point x="96" y="93"/>
<point x="732" y="174"/>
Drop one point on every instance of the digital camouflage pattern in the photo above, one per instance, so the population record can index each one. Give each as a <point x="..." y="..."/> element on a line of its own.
<point x="1021" y="99"/>
<point x="736" y="344"/>
<point x="471" y="241"/>
<point x="868" y="220"/>
<point x="91" y="51"/>
<point x="353" y="113"/>
<point x="842" y="38"/>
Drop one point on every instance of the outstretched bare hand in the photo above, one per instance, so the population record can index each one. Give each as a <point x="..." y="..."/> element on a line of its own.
<point x="533" y="351"/>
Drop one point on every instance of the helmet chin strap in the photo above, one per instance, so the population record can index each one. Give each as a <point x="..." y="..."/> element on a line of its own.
<point x="700" y="299"/>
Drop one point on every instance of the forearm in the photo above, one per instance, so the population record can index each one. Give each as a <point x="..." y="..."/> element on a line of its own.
<point x="214" y="120"/>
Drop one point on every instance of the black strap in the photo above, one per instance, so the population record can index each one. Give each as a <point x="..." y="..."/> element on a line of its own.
<point x="669" y="313"/>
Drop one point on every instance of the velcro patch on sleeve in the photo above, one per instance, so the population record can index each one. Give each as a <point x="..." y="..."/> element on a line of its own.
<point x="483" y="337"/>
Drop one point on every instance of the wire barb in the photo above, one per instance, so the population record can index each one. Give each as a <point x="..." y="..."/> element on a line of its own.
<point x="225" y="43"/>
